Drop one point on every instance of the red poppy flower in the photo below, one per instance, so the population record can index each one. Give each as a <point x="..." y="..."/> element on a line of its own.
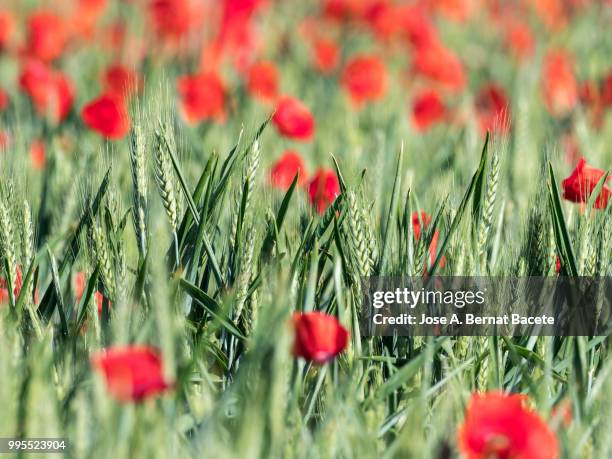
<point x="80" y="282"/>
<point x="202" y="97"/>
<point x="441" y="65"/>
<point x="5" y="140"/>
<point x="365" y="79"/>
<point x="131" y="373"/>
<point x="37" y="154"/>
<point x="519" y="39"/>
<point x="293" y="119"/>
<point x="582" y="182"/>
<point x="325" y="55"/>
<point x="6" y="28"/>
<point x="108" y="116"/>
<point x="492" y="109"/>
<point x="46" y="35"/>
<point x="323" y="189"/>
<point x="262" y="81"/>
<point x="559" y="84"/>
<point x="172" y="19"/>
<point x="500" y="425"/>
<point x="4" y="100"/>
<point x="425" y="220"/>
<point x="17" y="284"/>
<point x="551" y="12"/>
<point x="427" y="109"/>
<point x="284" y="169"/>
<point x="417" y="27"/>
<point x="120" y="80"/>
<point x="51" y="92"/>
<point x="319" y="337"/>
<point x="606" y="90"/>
<point x="456" y="10"/>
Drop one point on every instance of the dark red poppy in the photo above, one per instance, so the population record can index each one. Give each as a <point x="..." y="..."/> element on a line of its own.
<point x="119" y="79"/>
<point x="46" y="35"/>
<point x="440" y="65"/>
<point x="131" y="373"/>
<point x="50" y="91"/>
<point x="293" y="119"/>
<point x="37" y="154"/>
<point x="427" y="109"/>
<point x="319" y="337"/>
<point x="323" y="189"/>
<point x="284" y="169"/>
<point x="202" y="97"/>
<point x="365" y="79"/>
<point x="559" y="84"/>
<point x="501" y="425"/>
<point x="326" y="55"/>
<point x="7" y="23"/>
<point x="492" y="109"/>
<point x="262" y="81"/>
<point x="108" y="116"/>
<point x="582" y="182"/>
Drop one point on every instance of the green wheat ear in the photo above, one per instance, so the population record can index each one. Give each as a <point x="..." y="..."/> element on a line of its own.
<point x="139" y="183"/>
<point x="165" y="181"/>
<point x="7" y="247"/>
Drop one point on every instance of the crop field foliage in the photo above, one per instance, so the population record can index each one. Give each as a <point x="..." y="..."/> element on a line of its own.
<point x="183" y="244"/>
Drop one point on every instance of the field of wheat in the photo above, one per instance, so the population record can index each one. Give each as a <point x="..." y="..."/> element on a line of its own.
<point x="192" y="193"/>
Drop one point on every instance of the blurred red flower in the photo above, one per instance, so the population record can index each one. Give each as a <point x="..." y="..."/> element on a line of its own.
<point x="606" y="90"/>
<point x="293" y="119"/>
<point x="262" y="81"/>
<point x="80" y="282"/>
<point x="323" y="189"/>
<point x="582" y="182"/>
<point x="319" y="337"/>
<point x="108" y="116"/>
<point x="326" y="55"/>
<point x="50" y="91"/>
<point x="427" y="109"/>
<point x="17" y="284"/>
<point x="5" y="140"/>
<point x="492" y="109"/>
<point x="202" y="97"/>
<point x="37" y="154"/>
<point x="519" y="38"/>
<point x="119" y="79"/>
<point x="420" y="222"/>
<point x="4" y="100"/>
<point x="551" y="12"/>
<point x="172" y="19"/>
<point x="131" y="373"/>
<point x="441" y="65"/>
<point x="456" y="10"/>
<point x="559" y="84"/>
<point x="500" y="425"/>
<point x="46" y="35"/>
<point x="365" y="79"/>
<point x="7" y="23"/>
<point x="284" y="169"/>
